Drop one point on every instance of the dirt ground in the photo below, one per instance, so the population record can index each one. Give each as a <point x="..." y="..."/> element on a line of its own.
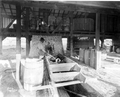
<point x="108" y="77"/>
<point x="8" y="85"/>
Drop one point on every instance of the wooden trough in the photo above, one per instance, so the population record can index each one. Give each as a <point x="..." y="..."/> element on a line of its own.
<point x="62" y="74"/>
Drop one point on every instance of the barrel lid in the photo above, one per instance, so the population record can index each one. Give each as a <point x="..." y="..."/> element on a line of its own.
<point x="33" y="63"/>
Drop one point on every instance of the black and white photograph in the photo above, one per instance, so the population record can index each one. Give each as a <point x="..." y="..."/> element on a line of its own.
<point x="59" y="48"/>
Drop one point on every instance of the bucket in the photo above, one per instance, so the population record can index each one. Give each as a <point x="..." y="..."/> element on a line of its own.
<point x="33" y="73"/>
<point x="86" y="57"/>
<point x="92" y="58"/>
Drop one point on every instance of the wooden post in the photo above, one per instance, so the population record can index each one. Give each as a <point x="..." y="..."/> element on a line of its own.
<point x="97" y="34"/>
<point x="71" y="45"/>
<point x="18" y="41"/>
<point x="0" y="44"/>
<point x="27" y="30"/>
<point x="46" y="16"/>
<point x="103" y="29"/>
<point x="27" y="45"/>
<point x="0" y="31"/>
<point x="71" y="36"/>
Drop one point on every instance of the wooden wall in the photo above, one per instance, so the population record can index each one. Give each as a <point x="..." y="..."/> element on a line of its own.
<point x="83" y="24"/>
<point x="6" y="22"/>
<point x="110" y="23"/>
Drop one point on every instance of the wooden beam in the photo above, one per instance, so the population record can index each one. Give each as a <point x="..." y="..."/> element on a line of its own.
<point x="56" y="85"/>
<point x="9" y="16"/>
<point x="58" y="13"/>
<point x="27" y="30"/>
<point x="63" y="13"/>
<point x="27" y="45"/>
<point x="4" y="8"/>
<point x="10" y="9"/>
<point x="23" y="9"/>
<point x="76" y="14"/>
<point x="46" y="20"/>
<point x="97" y="34"/>
<point x="18" y="34"/>
<point x="94" y="4"/>
<point x="1" y="30"/>
<point x="18" y="42"/>
<point x="0" y="44"/>
<point x="11" y="32"/>
<point x="54" y="89"/>
<point x="62" y="6"/>
<point x="71" y="36"/>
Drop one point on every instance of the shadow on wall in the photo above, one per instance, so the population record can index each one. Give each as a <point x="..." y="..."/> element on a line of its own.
<point x="56" y="41"/>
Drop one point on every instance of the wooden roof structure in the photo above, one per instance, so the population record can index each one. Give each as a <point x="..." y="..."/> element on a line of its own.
<point x="76" y="9"/>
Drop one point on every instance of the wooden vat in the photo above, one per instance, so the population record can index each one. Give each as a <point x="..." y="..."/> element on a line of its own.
<point x="33" y="73"/>
<point x="92" y="58"/>
<point x="61" y="75"/>
<point x="87" y="57"/>
<point x="81" y="54"/>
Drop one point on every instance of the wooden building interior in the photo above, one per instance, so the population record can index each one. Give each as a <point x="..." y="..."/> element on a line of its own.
<point x="83" y="23"/>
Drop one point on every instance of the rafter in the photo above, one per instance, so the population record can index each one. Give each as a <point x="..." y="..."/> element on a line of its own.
<point x="58" y="12"/>
<point x="54" y="12"/>
<point x="63" y="13"/>
<point x="4" y="8"/>
<point x="11" y="10"/>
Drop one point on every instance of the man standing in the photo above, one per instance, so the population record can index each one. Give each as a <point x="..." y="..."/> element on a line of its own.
<point x="41" y="47"/>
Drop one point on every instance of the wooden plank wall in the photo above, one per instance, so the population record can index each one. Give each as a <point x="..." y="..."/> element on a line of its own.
<point x="83" y="24"/>
<point x="6" y="22"/>
<point x="109" y="23"/>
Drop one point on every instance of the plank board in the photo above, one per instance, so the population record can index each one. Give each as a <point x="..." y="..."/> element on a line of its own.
<point x="113" y="59"/>
<point x="62" y="67"/>
<point x="58" y="77"/>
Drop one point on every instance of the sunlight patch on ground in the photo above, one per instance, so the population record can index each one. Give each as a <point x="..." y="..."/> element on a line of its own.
<point x="10" y="42"/>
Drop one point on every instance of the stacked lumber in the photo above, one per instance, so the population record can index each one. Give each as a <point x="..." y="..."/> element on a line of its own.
<point x="113" y="58"/>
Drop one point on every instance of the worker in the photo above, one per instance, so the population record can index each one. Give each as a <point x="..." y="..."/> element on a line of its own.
<point x="41" y="47"/>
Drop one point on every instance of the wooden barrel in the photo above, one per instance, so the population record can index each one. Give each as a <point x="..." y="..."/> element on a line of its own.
<point x="33" y="73"/>
<point x="81" y="54"/>
<point x="92" y="58"/>
<point x="86" y="57"/>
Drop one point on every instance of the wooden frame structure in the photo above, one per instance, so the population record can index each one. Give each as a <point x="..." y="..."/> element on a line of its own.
<point x="28" y="10"/>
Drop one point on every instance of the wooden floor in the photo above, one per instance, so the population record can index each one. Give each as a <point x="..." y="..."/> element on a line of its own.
<point x="106" y="81"/>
